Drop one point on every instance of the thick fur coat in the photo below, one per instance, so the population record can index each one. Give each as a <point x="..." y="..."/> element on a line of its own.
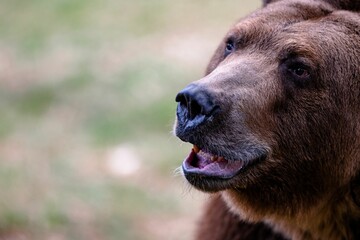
<point x="275" y="124"/>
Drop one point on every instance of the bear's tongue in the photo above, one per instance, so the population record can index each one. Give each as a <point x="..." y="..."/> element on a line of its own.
<point x="201" y="162"/>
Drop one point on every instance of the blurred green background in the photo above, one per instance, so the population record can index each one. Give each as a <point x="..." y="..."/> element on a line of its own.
<point x="87" y="92"/>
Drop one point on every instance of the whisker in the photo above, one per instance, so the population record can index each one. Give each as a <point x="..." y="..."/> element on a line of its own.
<point x="178" y="172"/>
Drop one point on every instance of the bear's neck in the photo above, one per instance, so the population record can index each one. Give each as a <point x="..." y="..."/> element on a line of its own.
<point x="335" y="217"/>
<point x="332" y="223"/>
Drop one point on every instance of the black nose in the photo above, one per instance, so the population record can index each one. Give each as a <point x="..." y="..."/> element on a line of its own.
<point x="195" y="102"/>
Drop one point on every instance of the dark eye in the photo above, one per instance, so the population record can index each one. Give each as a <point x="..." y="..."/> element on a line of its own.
<point x="230" y="47"/>
<point x="300" y="71"/>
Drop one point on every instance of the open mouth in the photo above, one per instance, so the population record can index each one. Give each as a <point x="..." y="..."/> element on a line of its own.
<point x="205" y="164"/>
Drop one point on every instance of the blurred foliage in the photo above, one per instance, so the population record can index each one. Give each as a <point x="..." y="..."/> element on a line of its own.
<point x="84" y="82"/>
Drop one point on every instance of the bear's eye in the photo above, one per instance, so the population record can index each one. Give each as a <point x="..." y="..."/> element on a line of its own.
<point x="299" y="71"/>
<point x="229" y="48"/>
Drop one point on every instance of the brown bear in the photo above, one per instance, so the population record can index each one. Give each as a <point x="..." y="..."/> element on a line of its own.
<point x="275" y="125"/>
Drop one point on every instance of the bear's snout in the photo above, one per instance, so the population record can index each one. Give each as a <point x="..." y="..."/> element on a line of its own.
<point x="195" y="101"/>
<point x="196" y="105"/>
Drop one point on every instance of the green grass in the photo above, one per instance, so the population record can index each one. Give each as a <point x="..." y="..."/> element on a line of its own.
<point x="80" y="79"/>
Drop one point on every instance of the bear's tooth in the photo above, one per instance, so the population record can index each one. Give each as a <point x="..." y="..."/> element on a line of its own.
<point x="196" y="149"/>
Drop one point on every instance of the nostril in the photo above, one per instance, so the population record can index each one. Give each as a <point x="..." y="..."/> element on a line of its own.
<point x="188" y="104"/>
<point x="194" y="109"/>
<point x="195" y="102"/>
<point x="180" y="98"/>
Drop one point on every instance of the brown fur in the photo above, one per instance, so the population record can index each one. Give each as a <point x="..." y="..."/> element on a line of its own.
<point x="308" y="127"/>
<point x="228" y="225"/>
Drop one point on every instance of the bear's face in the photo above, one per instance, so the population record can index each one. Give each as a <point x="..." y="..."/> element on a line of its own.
<point x="275" y="122"/>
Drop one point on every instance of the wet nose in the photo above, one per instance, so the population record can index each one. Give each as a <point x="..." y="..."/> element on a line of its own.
<point x="195" y="102"/>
